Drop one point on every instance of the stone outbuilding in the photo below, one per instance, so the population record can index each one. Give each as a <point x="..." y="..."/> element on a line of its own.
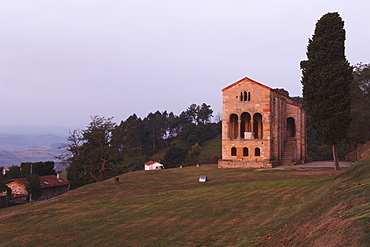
<point x="261" y="127"/>
<point x="51" y="186"/>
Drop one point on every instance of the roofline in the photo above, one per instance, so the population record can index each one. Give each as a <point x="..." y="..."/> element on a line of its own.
<point x="151" y="162"/>
<point x="278" y="92"/>
<point x="267" y="87"/>
<point x="245" y="78"/>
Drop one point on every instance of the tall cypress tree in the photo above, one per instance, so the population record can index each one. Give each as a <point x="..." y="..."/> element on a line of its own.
<point x="326" y="79"/>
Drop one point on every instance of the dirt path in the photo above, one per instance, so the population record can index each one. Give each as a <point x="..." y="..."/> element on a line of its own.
<point x="325" y="164"/>
<point x="318" y="164"/>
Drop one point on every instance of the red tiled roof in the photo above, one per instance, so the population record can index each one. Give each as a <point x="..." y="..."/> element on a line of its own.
<point x="45" y="181"/>
<point x="52" y="181"/>
<point x="150" y="163"/>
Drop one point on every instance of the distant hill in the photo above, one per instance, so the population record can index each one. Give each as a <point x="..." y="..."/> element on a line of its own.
<point x="35" y="130"/>
<point x="13" y="141"/>
<point x="15" y="148"/>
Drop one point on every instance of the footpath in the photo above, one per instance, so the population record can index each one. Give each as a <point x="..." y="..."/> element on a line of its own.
<point x="317" y="164"/>
<point x="325" y="164"/>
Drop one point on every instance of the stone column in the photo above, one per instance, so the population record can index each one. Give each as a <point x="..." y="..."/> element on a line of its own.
<point x="239" y="128"/>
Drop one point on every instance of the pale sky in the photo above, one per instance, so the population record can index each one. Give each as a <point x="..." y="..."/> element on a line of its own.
<point x="64" y="61"/>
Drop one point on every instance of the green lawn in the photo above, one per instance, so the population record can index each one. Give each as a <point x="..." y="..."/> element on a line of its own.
<point x="236" y="207"/>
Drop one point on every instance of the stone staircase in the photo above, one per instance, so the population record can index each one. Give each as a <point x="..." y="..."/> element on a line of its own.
<point x="288" y="152"/>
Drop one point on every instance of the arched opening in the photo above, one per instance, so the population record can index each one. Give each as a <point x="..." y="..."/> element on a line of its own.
<point x="233" y="126"/>
<point x="233" y="151"/>
<point x="257" y="152"/>
<point x="257" y="126"/>
<point x="290" y="127"/>
<point x="245" y="152"/>
<point x="245" y="125"/>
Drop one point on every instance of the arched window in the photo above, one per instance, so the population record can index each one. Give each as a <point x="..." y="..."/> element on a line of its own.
<point x="257" y="126"/>
<point x="245" y="152"/>
<point x="249" y="96"/>
<point x="233" y="126"/>
<point x="257" y="152"/>
<point x="245" y="125"/>
<point x="233" y="151"/>
<point x="241" y="96"/>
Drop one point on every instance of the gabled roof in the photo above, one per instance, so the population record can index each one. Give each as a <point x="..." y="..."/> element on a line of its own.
<point x="245" y="79"/>
<point x="151" y="163"/>
<point x="45" y="181"/>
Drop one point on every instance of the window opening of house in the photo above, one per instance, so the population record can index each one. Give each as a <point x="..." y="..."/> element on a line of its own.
<point x="245" y="151"/>
<point x="257" y="152"/>
<point x="233" y="151"/>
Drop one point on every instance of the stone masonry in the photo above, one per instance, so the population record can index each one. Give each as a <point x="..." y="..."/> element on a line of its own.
<point x="261" y="127"/>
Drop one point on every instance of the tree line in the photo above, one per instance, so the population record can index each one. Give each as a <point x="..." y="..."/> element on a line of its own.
<point x="28" y="168"/>
<point x="105" y="149"/>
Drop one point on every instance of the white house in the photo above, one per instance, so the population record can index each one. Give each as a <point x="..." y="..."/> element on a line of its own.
<point x="153" y="165"/>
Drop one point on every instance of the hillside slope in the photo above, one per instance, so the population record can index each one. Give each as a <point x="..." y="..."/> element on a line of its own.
<point x="337" y="215"/>
<point x="236" y="207"/>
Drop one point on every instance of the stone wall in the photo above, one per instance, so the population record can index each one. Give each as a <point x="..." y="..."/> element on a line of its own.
<point x="258" y="118"/>
<point x="244" y="164"/>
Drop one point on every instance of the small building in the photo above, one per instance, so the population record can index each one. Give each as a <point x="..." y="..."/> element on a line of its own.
<point x="51" y="186"/>
<point x="153" y="165"/>
<point x="261" y="127"/>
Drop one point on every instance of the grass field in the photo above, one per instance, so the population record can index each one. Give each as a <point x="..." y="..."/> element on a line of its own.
<point x="236" y="207"/>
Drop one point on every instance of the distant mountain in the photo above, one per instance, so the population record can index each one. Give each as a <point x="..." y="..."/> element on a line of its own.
<point x="31" y="143"/>
<point x="27" y="129"/>
<point x="13" y="142"/>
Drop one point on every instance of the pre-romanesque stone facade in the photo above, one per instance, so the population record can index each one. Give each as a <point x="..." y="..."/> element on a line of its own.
<point x="261" y="127"/>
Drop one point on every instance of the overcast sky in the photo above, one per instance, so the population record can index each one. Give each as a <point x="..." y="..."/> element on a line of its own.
<point x="64" y="61"/>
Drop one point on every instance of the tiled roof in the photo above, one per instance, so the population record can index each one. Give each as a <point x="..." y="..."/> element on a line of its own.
<point x="45" y="181"/>
<point x="150" y="163"/>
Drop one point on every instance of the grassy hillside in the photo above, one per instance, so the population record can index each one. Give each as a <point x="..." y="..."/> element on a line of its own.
<point x="236" y="207"/>
<point x="211" y="150"/>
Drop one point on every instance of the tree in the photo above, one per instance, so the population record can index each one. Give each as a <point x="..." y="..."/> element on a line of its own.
<point x="175" y="156"/>
<point x="40" y="168"/>
<point x="193" y="155"/>
<point x="360" y="91"/>
<point x="33" y="187"/>
<point x="4" y="188"/>
<point x="2" y="178"/>
<point x="90" y="153"/>
<point x="326" y="79"/>
<point x="128" y="139"/>
<point x="204" y="113"/>
<point x="14" y="172"/>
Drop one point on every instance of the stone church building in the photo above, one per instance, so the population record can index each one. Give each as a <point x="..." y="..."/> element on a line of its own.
<point x="261" y="127"/>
